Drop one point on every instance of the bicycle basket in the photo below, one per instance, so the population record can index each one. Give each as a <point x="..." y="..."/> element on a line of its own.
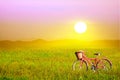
<point x="78" y="55"/>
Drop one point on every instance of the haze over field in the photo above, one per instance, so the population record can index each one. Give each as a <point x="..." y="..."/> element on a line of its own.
<point x="53" y="20"/>
<point x="43" y="39"/>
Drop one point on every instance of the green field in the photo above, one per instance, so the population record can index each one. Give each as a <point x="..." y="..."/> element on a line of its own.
<point x="53" y="64"/>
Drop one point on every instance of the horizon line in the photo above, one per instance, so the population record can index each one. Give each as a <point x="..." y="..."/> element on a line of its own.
<point x="63" y="39"/>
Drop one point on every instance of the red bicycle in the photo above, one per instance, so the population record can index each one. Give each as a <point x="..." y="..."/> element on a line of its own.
<point x="83" y="63"/>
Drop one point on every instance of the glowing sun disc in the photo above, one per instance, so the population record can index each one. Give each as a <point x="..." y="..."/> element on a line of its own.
<point x="80" y="27"/>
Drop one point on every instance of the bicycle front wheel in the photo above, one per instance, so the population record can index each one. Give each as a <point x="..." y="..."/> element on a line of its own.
<point x="104" y="64"/>
<point x="80" y="65"/>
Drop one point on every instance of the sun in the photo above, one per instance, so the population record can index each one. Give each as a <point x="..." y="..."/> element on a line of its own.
<point x="80" y="27"/>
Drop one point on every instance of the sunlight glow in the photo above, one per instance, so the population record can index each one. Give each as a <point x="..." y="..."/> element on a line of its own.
<point x="80" y="27"/>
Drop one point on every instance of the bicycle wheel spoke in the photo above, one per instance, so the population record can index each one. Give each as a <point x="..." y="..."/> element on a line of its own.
<point x="80" y="66"/>
<point x="104" y="64"/>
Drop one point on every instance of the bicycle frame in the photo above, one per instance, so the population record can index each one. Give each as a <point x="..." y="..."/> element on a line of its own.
<point x="91" y="61"/>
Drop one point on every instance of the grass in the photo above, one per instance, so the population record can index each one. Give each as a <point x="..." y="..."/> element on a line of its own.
<point x="53" y="64"/>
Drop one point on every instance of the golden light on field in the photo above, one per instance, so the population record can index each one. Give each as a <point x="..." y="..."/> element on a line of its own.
<point x="80" y="27"/>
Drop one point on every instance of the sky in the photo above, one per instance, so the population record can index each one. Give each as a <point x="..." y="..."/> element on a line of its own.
<point x="55" y="19"/>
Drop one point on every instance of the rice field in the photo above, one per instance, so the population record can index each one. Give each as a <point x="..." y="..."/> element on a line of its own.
<point x="53" y="64"/>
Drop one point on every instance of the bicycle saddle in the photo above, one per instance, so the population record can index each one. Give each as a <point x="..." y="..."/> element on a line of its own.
<point x="97" y="54"/>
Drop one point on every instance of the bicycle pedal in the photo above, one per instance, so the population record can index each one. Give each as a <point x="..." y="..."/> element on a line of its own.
<point x="92" y="67"/>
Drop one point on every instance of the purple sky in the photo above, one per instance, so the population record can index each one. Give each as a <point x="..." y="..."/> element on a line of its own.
<point x="17" y="15"/>
<point x="59" y="10"/>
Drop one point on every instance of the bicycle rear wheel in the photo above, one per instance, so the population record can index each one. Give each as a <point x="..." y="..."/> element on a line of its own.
<point x="80" y="65"/>
<point x="104" y="64"/>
